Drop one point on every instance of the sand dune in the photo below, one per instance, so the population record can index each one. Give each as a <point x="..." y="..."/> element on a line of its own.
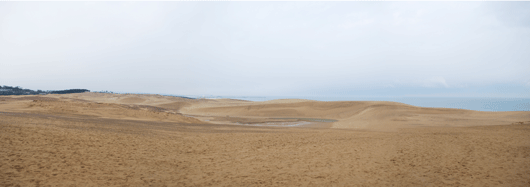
<point x="362" y="115"/>
<point x="369" y="115"/>
<point x="132" y="100"/>
<point x="78" y="107"/>
<point x="95" y="139"/>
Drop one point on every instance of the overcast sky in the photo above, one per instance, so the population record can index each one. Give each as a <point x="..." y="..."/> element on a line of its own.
<point x="456" y="49"/>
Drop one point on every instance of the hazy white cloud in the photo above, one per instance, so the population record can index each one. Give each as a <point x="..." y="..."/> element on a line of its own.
<point x="265" y="48"/>
<point x="436" y="82"/>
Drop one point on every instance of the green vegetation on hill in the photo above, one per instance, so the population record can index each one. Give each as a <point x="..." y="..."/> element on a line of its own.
<point x="9" y="90"/>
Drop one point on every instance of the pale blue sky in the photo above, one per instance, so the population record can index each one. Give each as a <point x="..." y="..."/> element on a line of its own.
<point x="455" y="49"/>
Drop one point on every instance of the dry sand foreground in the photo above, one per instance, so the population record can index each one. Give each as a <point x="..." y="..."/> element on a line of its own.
<point x="94" y="139"/>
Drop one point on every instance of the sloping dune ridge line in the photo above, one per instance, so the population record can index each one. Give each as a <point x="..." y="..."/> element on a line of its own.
<point x="98" y="139"/>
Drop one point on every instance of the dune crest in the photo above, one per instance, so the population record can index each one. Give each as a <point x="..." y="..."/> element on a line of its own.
<point x="361" y="115"/>
<point x="368" y="115"/>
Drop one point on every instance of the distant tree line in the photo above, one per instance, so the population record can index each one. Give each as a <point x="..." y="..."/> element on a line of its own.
<point x="105" y="91"/>
<point x="9" y="90"/>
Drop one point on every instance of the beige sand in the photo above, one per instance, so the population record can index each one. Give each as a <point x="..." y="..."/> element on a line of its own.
<point x="94" y="139"/>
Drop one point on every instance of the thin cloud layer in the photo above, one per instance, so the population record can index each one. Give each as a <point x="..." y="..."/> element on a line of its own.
<point x="269" y="48"/>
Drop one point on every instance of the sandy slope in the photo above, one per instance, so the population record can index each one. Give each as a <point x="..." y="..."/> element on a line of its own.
<point x="94" y="139"/>
<point x="81" y="108"/>
<point x="371" y="115"/>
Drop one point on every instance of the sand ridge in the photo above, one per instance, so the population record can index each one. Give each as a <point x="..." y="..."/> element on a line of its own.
<point x="79" y="107"/>
<point x="367" y="115"/>
<point x="360" y="115"/>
